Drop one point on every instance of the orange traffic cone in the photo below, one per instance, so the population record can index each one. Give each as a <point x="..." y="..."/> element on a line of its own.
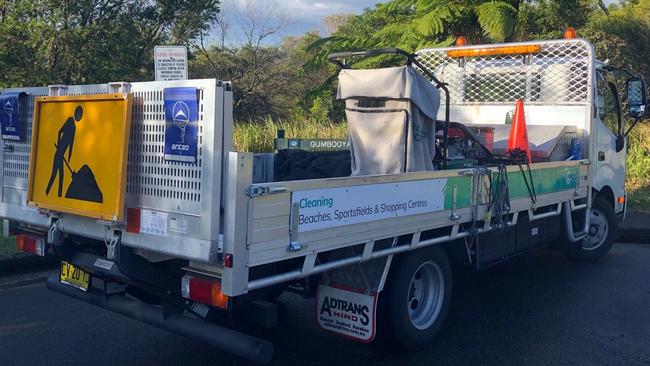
<point x="518" y="135"/>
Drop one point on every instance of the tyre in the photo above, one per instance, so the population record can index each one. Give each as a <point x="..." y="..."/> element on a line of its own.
<point x="415" y="302"/>
<point x="602" y="233"/>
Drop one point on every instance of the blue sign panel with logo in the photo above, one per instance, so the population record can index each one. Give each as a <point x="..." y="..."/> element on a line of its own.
<point x="181" y="127"/>
<point x="10" y="116"/>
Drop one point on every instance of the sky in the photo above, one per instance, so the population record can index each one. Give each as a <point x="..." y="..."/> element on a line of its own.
<point x="308" y="14"/>
<point x="302" y="15"/>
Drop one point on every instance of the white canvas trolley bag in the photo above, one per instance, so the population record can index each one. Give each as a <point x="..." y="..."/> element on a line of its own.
<point x="391" y="115"/>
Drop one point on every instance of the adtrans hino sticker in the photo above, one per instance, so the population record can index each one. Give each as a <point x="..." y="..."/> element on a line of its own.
<point x="348" y="312"/>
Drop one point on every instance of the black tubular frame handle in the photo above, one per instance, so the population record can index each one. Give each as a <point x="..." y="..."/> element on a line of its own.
<point x="335" y="57"/>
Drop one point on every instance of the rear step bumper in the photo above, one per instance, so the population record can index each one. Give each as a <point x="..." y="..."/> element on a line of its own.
<point x="224" y="339"/>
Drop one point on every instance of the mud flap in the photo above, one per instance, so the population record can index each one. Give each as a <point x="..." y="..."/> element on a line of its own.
<point x="347" y="311"/>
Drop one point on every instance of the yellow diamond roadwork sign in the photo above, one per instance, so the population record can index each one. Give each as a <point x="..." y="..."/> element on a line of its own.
<point x="79" y="151"/>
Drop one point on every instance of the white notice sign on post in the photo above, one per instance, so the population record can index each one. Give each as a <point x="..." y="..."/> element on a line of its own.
<point x="170" y="63"/>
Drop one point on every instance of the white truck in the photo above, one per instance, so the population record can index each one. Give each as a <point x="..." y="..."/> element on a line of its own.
<point x="215" y="241"/>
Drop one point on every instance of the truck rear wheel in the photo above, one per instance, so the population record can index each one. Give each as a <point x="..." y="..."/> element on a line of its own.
<point x="602" y="233"/>
<point x="415" y="302"/>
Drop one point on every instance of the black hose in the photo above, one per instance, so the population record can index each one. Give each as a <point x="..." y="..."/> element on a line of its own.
<point x="500" y="199"/>
<point x="529" y="185"/>
<point x="520" y="157"/>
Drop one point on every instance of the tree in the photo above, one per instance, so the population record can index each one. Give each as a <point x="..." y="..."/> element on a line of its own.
<point x="92" y="41"/>
<point x="547" y="19"/>
<point x="622" y="35"/>
<point x="268" y="79"/>
<point x="413" y="24"/>
<point x="335" y="21"/>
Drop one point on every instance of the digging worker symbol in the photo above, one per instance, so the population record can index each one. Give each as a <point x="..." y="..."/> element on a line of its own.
<point x="83" y="185"/>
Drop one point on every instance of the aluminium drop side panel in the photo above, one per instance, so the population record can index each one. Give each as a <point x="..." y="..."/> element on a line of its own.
<point x="270" y="215"/>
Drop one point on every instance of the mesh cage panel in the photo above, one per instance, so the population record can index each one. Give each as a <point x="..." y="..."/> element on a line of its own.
<point x="16" y="153"/>
<point x="560" y="73"/>
<point x="151" y="182"/>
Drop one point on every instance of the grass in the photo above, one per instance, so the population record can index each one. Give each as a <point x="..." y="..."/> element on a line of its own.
<point x="7" y="245"/>
<point x="638" y="168"/>
<point x="639" y="199"/>
<point x="259" y="136"/>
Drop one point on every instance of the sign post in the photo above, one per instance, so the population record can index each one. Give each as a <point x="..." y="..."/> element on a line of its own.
<point x="170" y="63"/>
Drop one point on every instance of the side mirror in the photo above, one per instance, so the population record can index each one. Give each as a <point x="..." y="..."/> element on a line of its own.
<point x="636" y="98"/>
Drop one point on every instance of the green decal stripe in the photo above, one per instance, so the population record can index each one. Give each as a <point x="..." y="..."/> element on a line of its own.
<point x="463" y="192"/>
<point x="547" y="180"/>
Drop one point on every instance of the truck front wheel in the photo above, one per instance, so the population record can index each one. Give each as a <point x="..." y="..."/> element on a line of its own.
<point x="415" y="302"/>
<point x="602" y="233"/>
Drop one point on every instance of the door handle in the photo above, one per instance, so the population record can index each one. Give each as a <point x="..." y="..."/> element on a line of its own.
<point x="601" y="156"/>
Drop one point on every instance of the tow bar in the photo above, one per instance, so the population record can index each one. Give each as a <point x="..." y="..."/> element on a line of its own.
<point x="224" y="339"/>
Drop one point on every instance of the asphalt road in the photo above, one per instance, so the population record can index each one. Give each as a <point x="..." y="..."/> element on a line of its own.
<point x="539" y="309"/>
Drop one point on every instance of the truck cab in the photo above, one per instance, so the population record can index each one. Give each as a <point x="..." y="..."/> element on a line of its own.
<point x="610" y="150"/>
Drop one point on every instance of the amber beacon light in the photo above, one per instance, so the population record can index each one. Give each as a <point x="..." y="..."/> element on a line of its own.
<point x="494" y="51"/>
<point x="570" y="33"/>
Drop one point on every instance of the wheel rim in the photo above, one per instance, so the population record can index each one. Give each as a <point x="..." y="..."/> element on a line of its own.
<point x="598" y="231"/>
<point x="425" y="295"/>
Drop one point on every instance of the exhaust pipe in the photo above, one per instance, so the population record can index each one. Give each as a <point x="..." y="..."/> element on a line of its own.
<point x="228" y="340"/>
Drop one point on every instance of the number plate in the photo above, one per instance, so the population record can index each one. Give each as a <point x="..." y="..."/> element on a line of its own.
<point x="74" y="276"/>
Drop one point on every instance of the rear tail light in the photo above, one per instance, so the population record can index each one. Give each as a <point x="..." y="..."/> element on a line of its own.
<point x="204" y="291"/>
<point x="133" y="220"/>
<point x="227" y="260"/>
<point x="31" y="243"/>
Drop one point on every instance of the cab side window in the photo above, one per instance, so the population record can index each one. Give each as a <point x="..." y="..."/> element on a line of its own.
<point x="606" y="104"/>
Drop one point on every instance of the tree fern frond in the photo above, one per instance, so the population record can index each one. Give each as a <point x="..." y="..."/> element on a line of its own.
<point x="497" y="18"/>
<point x="390" y="35"/>
<point x="427" y="6"/>
<point x="433" y="22"/>
<point x="445" y="42"/>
